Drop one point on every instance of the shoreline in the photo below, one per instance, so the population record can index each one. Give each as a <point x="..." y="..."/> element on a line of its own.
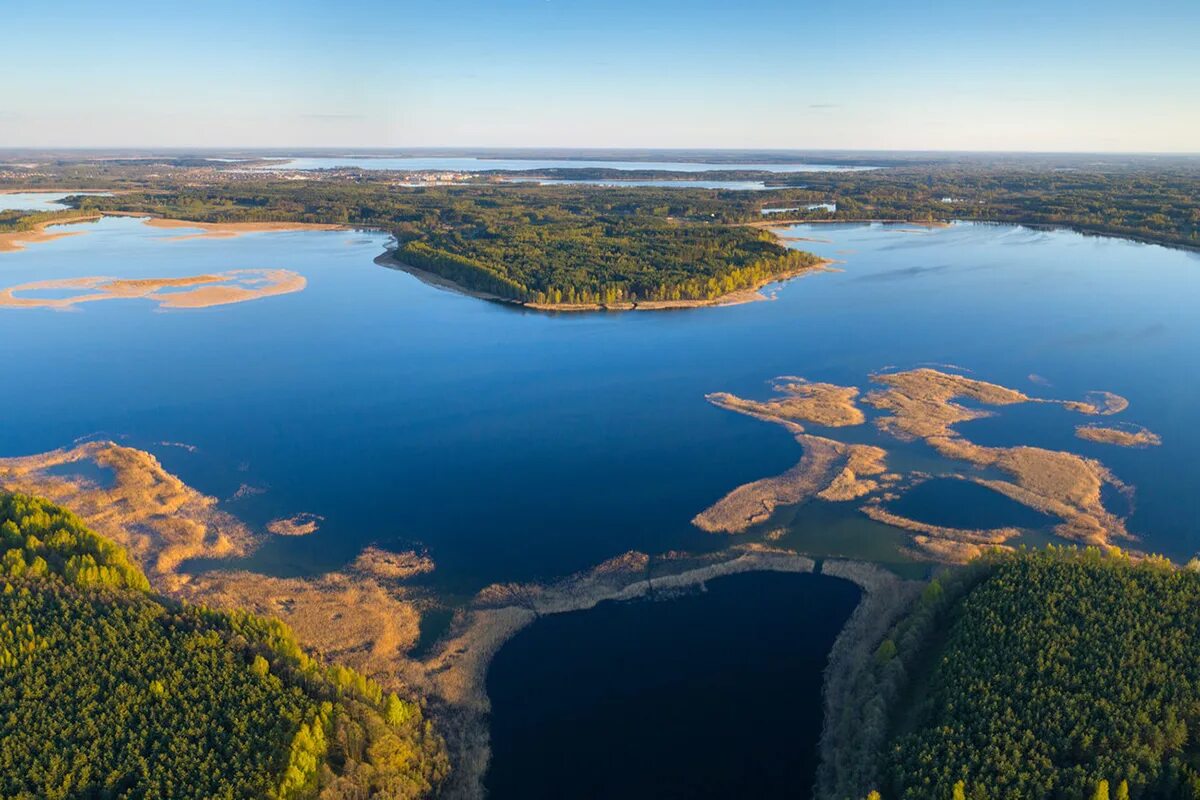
<point x="750" y="294"/>
<point x="226" y="230"/>
<point x="457" y="671"/>
<point x="12" y="241"/>
<point x="783" y="223"/>
<point x="62" y="191"/>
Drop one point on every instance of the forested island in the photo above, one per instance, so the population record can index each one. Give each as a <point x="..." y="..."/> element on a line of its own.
<point x="108" y="689"/>
<point x="534" y="245"/>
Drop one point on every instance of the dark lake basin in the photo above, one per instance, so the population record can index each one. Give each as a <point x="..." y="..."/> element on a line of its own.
<point x="714" y="694"/>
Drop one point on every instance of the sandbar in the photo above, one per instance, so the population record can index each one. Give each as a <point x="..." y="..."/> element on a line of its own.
<point x="198" y="291"/>
<point x="16" y="240"/>
<point x="226" y="230"/>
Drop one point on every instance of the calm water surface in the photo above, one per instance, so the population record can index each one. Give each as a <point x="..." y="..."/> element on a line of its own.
<point x="518" y="445"/>
<point x="712" y="695"/>
<point x="38" y="201"/>
<point x="753" y="186"/>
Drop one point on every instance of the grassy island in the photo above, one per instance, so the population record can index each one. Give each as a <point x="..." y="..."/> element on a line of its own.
<point x="110" y="690"/>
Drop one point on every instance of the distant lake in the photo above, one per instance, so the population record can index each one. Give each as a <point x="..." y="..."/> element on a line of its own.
<point x="464" y="164"/>
<point x="667" y="184"/>
<point x="713" y="695"/>
<point x="38" y="201"/>
<point x="517" y="445"/>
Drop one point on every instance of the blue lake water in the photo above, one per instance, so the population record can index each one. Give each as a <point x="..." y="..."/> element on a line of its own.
<point x="37" y="201"/>
<point x="753" y="186"/>
<point x="465" y="164"/>
<point x="517" y="445"/>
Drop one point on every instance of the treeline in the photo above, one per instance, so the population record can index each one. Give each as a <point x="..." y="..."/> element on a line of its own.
<point x="1058" y="673"/>
<point x="589" y="244"/>
<point x="20" y="220"/>
<point x="1150" y="203"/>
<point x="1148" y="198"/>
<point x="537" y="244"/>
<point x="108" y="690"/>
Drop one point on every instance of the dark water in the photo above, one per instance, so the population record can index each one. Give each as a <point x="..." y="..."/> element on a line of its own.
<point x="711" y="695"/>
<point x="517" y="445"/>
<point x="961" y="504"/>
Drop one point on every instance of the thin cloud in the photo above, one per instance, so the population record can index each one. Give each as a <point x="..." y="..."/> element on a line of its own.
<point x="333" y="116"/>
<point x="825" y="105"/>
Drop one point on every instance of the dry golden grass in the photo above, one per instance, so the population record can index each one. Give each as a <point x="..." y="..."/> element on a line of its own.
<point x="385" y="565"/>
<point x="921" y="401"/>
<point x="753" y="503"/>
<point x="968" y="535"/>
<point x="922" y="404"/>
<point x="946" y="550"/>
<point x="297" y="525"/>
<point x="819" y="403"/>
<point x="360" y="616"/>
<point x="225" y="230"/>
<point x="1061" y="484"/>
<point x="847" y="484"/>
<point x="348" y="617"/>
<point x="1122" y="437"/>
<point x="155" y="516"/>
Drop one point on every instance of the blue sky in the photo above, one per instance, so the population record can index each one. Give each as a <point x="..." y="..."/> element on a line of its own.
<point x="1016" y="75"/>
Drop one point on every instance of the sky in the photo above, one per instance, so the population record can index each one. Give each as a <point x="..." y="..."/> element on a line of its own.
<point x="1044" y="75"/>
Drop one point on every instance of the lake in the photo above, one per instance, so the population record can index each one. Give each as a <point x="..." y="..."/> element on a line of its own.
<point x="680" y="183"/>
<point x="515" y="446"/>
<point x="467" y="164"/>
<point x="716" y="694"/>
<point x="518" y="445"/>
<point x="38" y="201"/>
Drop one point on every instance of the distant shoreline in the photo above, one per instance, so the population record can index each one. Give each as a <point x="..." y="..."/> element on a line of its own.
<point x="783" y="223"/>
<point x="750" y="294"/>
<point x="11" y="241"/>
<point x="59" y="191"/>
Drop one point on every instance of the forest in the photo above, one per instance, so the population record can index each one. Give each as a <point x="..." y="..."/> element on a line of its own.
<point x="529" y="244"/>
<point x="551" y="243"/>
<point x="1057" y="673"/>
<point x="570" y="243"/>
<point x="108" y="690"/>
